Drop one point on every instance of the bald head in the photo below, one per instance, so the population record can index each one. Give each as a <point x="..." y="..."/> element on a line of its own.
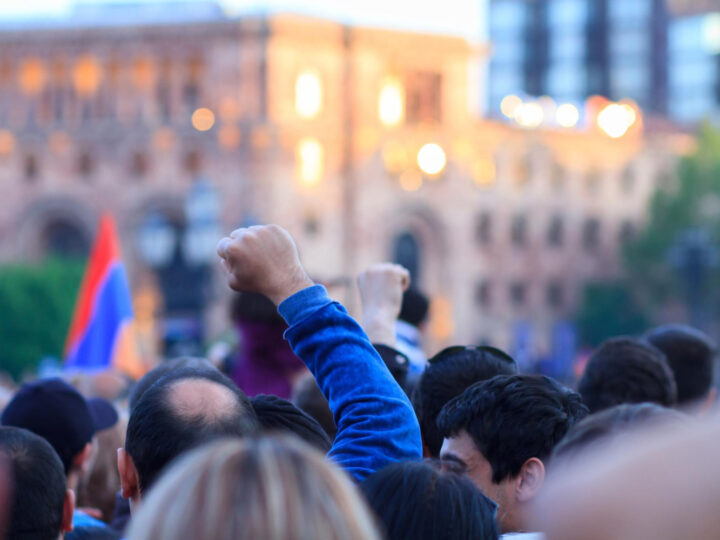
<point x="180" y="411"/>
<point x="201" y="399"/>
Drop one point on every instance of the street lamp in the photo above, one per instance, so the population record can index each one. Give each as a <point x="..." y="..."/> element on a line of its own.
<point x="156" y="240"/>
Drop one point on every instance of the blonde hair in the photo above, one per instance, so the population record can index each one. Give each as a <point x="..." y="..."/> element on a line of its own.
<point x="271" y="488"/>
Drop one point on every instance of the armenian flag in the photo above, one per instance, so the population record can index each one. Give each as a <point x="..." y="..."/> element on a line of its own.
<point x="101" y="333"/>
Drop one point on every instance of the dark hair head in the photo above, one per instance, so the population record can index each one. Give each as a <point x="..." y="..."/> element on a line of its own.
<point x="38" y="486"/>
<point x="308" y="397"/>
<point x="512" y="418"/>
<point x="691" y="356"/>
<point x="165" y="368"/>
<point x="421" y="500"/>
<point x="414" y="308"/>
<point x="611" y="423"/>
<point x="447" y="375"/>
<point x="279" y="415"/>
<point x="626" y="370"/>
<point x="169" y="419"/>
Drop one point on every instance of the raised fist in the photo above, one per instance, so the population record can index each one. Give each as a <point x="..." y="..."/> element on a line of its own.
<point x="263" y="259"/>
<point x="381" y="291"/>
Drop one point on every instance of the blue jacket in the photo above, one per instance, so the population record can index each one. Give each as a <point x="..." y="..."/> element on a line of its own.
<point x="375" y="420"/>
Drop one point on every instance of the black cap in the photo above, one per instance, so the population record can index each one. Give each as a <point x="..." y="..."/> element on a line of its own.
<point x="54" y="410"/>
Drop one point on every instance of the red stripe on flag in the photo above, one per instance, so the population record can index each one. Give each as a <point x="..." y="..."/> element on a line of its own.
<point x="105" y="251"/>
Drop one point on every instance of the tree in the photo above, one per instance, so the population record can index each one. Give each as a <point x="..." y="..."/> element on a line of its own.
<point x="36" y="303"/>
<point x="608" y="310"/>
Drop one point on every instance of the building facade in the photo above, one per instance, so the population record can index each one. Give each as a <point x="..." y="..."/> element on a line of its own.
<point x="573" y="49"/>
<point x="360" y="141"/>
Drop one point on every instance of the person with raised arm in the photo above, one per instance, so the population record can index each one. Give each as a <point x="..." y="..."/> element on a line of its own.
<point x="375" y="420"/>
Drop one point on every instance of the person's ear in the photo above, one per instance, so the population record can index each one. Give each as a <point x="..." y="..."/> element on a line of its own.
<point x="68" y="511"/>
<point x="82" y="459"/>
<point x="128" y="475"/>
<point x="708" y="402"/>
<point x="530" y="480"/>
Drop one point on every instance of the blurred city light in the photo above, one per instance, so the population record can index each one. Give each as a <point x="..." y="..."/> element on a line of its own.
<point x="530" y="115"/>
<point x="410" y="180"/>
<point x="484" y="172"/>
<point x="391" y="106"/>
<point x="616" y="119"/>
<point x="395" y="157"/>
<point x="32" y="76"/>
<point x="203" y="119"/>
<point x="229" y="137"/>
<point x="310" y="155"/>
<point x="567" y="115"/>
<point x="510" y="105"/>
<point x="431" y="159"/>
<point x="86" y="76"/>
<point x="7" y="142"/>
<point x="308" y="94"/>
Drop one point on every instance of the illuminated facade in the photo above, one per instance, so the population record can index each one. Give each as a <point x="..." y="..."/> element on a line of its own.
<point x="361" y="142"/>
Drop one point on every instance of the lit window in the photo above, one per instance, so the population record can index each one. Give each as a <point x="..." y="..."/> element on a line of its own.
<point x="86" y="76"/>
<point x="391" y="107"/>
<point x="32" y="76"/>
<point x="308" y="94"/>
<point x="309" y="154"/>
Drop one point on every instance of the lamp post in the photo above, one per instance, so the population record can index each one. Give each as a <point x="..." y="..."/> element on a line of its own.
<point x="180" y="253"/>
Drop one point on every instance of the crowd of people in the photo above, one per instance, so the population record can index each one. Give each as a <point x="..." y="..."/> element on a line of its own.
<point x="346" y="431"/>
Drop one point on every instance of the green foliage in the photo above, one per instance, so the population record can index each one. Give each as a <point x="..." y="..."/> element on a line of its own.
<point x="608" y="310"/>
<point x="691" y="199"/>
<point x="36" y="303"/>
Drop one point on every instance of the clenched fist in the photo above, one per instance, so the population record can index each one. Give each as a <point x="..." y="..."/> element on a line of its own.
<point x="263" y="259"/>
<point x="381" y="291"/>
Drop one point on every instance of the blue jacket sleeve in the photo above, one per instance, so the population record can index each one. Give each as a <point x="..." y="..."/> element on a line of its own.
<point x="375" y="420"/>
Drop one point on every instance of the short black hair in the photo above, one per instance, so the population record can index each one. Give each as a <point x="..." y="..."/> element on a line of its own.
<point x="279" y="415"/>
<point x="38" y="486"/>
<point x="308" y="397"/>
<point x="611" y="423"/>
<point x="161" y="370"/>
<point x="414" y="308"/>
<point x="512" y="418"/>
<point x="690" y="354"/>
<point x="156" y="434"/>
<point x="447" y="375"/>
<point x="421" y="500"/>
<point x="626" y="370"/>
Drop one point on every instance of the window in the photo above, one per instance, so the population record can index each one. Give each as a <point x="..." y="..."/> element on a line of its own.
<point x="518" y="294"/>
<point x="30" y="168"/>
<point x="556" y="232"/>
<point x="628" y="180"/>
<point x="139" y="164"/>
<point x="85" y="164"/>
<point x="192" y="162"/>
<point x="519" y="231"/>
<point x="407" y="253"/>
<point x="627" y="232"/>
<point x="483" y="294"/>
<point x="591" y="234"/>
<point x="424" y="98"/>
<point x="555" y="297"/>
<point x="593" y="182"/>
<point x="483" y="230"/>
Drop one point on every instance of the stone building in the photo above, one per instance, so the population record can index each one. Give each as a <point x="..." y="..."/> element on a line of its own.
<point x="364" y="143"/>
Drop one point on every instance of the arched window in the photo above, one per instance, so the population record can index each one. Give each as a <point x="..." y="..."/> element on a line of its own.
<point x="407" y="254"/>
<point x="63" y="238"/>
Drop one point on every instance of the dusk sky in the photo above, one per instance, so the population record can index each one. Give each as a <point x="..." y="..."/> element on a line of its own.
<point x="459" y="17"/>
